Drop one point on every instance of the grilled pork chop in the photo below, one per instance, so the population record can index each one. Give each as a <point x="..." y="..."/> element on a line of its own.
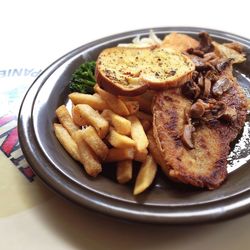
<point x="204" y="162"/>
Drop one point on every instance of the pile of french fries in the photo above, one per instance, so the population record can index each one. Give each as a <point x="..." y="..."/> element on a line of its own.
<point x="103" y="128"/>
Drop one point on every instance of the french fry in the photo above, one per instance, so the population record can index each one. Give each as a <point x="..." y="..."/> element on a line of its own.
<point x="155" y="152"/>
<point x="141" y="156"/>
<point x="146" y="124"/>
<point x="87" y="157"/>
<point x="95" y="142"/>
<point x="77" y="118"/>
<point x="124" y="171"/>
<point x="120" y="154"/>
<point x="138" y="133"/>
<point x="114" y="102"/>
<point x="143" y="116"/>
<point x="66" y="140"/>
<point x="95" y="101"/>
<point x="120" y="141"/>
<point x="133" y="106"/>
<point x="121" y="124"/>
<point x="90" y="145"/>
<point x="146" y="175"/>
<point x="92" y="117"/>
<point x="65" y="119"/>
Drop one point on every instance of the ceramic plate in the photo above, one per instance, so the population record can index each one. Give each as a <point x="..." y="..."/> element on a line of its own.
<point x="165" y="201"/>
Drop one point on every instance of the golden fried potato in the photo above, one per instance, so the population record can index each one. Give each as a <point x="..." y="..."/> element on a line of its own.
<point x="92" y="117"/>
<point x="121" y="124"/>
<point x="95" y="101"/>
<point x="91" y="137"/>
<point x="65" y="119"/>
<point x="87" y="157"/>
<point x="120" y="154"/>
<point x="138" y="133"/>
<point x="67" y="142"/>
<point x="77" y="118"/>
<point x="145" y="176"/>
<point x="114" y="102"/>
<point x="124" y="171"/>
<point x="120" y="141"/>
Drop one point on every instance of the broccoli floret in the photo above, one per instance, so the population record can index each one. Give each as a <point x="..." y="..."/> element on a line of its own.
<point x="83" y="79"/>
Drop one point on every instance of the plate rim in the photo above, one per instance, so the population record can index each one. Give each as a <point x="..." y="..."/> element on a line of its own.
<point x="197" y="213"/>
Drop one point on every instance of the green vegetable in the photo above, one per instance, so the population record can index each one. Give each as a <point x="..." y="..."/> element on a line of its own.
<point x="83" y="79"/>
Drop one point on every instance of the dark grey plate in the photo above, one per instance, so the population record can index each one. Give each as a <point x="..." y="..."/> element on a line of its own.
<point x="165" y="202"/>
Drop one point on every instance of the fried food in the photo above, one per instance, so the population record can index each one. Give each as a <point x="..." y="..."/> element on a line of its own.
<point x="155" y="152"/>
<point x="65" y="119"/>
<point x="121" y="124"/>
<point x="206" y="164"/>
<point x="88" y="158"/>
<point x="95" y="101"/>
<point x="92" y="117"/>
<point x="66" y="140"/>
<point x="113" y="102"/>
<point x="186" y="130"/>
<point x="138" y="134"/>
<point x="120" y="141"/>
<point x="76" y="117"/>
<point x="91" y="137"/>
<point x="124" y="171"/>
<point x="146" y="175"/>
<point x="193" y="126"/>
<point x="120" y="154"/>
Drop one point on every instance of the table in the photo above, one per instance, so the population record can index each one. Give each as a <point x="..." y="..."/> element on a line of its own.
<point x="34" y="34"/>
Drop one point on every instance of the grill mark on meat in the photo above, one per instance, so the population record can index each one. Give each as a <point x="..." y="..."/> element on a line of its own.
<point x="173" y="118"/>
<point x="171" y="125"/>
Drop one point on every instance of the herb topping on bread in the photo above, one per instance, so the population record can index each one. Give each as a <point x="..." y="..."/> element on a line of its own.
<point x="131" y="71"/>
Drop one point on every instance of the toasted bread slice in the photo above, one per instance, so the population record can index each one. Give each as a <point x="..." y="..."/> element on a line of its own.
<point x="131" y="71"/>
